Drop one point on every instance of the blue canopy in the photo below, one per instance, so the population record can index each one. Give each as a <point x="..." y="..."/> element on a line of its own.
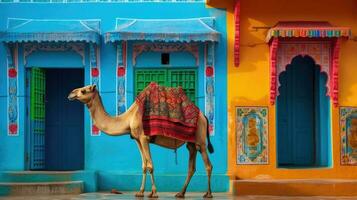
<point x="167" y="30"/>
<point x="32" y="30"/>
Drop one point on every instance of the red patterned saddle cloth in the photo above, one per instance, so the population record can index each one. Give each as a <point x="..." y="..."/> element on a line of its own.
<point x="168" y="112"/>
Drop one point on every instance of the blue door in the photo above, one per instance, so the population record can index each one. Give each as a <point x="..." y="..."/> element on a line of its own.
<point x="296" y="107"/>
<point x="64" y="140"/>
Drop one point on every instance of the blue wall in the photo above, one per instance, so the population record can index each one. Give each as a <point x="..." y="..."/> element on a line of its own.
<point x="117" y="159"/>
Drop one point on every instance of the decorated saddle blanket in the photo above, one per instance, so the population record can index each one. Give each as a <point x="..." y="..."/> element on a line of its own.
<point x="168" y="112"/>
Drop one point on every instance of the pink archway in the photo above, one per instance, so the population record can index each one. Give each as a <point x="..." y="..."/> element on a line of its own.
<point x="319" y="40"/>
<point x="324" y="52"/>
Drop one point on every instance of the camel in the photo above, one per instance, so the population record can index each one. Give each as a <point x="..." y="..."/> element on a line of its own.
<point x="130" y="122"/>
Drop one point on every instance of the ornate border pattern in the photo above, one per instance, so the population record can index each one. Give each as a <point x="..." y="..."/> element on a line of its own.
<point x="12" y="83"/>
<point x="237" y="33"/>
<point x="334" y="71"/>
<point x="252" y="135"/>
<point x="121" y="77"/>
<point x="138" y="49"/>
<point x="29" y="48"/>
<point x="209" y="85"/>
<point x="273" y="76"/>
<point x="94" y="78"/>
<point x="282" y="52"/>
<point x="348" y="139"/>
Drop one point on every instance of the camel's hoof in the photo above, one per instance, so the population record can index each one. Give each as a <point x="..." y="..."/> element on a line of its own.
<point x="153" y="195"/>
<point x="180" y="195"/>
<point x="208" y="195"/>
<point x="139" y="194"/>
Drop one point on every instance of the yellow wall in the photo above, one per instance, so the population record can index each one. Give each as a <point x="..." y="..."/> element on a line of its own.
<point x="248" y="84"/>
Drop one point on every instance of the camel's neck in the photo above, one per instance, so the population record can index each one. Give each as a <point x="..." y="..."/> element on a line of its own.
<point x="118" y="125"/>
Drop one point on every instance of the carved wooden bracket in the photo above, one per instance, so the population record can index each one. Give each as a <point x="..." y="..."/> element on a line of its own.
<point x="192" y="48"/>
<point x="29" y="48"/>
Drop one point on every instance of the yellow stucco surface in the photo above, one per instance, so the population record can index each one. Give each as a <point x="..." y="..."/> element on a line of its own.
<point x="248" y="84"/>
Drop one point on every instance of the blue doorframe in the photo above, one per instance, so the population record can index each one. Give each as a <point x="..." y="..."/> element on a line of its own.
<point x="303" y="116"/>
<point x="63" y="137"/>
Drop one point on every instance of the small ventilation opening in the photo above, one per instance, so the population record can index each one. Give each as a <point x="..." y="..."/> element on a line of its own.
<point x="165" y="58"/>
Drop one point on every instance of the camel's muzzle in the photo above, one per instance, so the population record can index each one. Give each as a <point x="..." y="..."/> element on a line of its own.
<point x="72" y="97"/>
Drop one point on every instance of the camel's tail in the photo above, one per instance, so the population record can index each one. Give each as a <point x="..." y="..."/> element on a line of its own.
<point x="209" y="146"/>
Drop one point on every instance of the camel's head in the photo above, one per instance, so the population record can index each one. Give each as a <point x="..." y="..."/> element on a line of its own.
<point x="83" y="94"/>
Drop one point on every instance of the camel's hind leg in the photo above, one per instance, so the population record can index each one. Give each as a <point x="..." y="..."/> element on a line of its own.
<point x="208" y="167"/>
<point x="143" y="160"/>
<point x="191" y="168"/>
<point x="144" y="140"/>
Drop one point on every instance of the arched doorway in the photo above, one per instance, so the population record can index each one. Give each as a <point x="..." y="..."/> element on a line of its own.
<point x="303" y="115"/>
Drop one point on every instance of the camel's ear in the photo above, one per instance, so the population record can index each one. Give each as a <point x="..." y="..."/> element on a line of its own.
<point x="93" y="88"/>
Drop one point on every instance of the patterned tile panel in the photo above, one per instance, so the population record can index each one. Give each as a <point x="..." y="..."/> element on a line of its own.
<point x="348" y="131"/>
<point x="252" y="135"/>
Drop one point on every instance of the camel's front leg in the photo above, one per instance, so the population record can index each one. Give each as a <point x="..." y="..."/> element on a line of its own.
<point x="143" y="181"/>
<point x="191" y="168"/>
<point x="144" y="140"/>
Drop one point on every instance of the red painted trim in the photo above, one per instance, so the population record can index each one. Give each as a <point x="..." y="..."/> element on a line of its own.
<point x="121" y="71"/>
<point x="209" y="71"/>
<point x="334" y="71"/>
<point x="12" y="72"/>
<point x="95" y="130"/>
<point x="237" y="33"/>
<point x="273" y="68"/>
<point x="13" y="128"/>
<point x="95" y="72"/>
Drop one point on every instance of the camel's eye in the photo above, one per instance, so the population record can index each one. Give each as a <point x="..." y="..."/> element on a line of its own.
<point x="83" y="91"/>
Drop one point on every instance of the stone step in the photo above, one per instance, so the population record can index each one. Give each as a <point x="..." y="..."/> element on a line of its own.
<point x="40" y="188"/>
<point x="37" y="176"/>
<point x="295" y="187"/>
<point x="88" y="177"/>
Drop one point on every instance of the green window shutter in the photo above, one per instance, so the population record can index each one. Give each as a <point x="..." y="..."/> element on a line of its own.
<point x="144" y="76"/>
<point x="37" y="101"/>
<point x="186" y="78"/>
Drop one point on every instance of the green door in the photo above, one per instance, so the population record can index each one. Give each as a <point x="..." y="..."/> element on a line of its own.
<point x="186" y="78"/>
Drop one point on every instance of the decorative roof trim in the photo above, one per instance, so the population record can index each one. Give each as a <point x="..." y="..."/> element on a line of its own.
<point x="304" y="29"/>
<point x="124" y="30"/>
<point x="8" y="37"/>
<point x="35" y="30"/>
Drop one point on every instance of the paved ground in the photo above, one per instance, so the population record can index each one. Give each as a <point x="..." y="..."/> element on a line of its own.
<point x="169" y="196"/>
